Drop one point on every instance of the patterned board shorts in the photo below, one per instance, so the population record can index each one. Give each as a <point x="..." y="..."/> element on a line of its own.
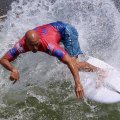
<point x="71" y="42"/>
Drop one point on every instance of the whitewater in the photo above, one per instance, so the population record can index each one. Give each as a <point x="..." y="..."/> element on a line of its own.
<point x="46" y="87"/>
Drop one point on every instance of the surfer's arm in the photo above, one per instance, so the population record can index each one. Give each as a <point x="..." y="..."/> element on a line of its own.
<point x="74" y="70"/>
<point x="62" y="55"/>
<point x="6" y="62"/>
<point x="10" y="56"/>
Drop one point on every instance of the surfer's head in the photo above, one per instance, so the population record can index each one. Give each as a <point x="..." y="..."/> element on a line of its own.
<point x="32" y="40"/>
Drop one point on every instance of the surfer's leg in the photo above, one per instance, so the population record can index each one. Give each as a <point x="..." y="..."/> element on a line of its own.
<point x="72" y="46"/>
<point x="84" y="66"/>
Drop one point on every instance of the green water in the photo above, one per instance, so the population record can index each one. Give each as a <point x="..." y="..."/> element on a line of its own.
<point x="55" y="102"/>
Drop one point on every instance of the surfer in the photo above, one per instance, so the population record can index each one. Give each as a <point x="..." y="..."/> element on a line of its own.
<point x="47" y="38"/>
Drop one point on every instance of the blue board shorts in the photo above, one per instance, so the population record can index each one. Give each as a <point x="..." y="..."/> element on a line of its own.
<point x="70" y="41"/>
<point x="69" y="38"/>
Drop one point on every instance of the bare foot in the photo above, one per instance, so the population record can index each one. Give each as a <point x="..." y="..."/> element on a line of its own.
<point x="102" y="75"/>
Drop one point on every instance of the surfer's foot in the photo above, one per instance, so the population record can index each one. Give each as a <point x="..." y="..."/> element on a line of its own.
<point x="102" y="75"/>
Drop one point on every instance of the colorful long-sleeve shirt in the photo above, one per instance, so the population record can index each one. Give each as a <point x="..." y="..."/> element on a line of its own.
<point x="50" y="37"/>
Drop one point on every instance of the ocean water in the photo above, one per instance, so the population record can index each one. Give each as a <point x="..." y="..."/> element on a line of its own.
<point x="46" y="87"/>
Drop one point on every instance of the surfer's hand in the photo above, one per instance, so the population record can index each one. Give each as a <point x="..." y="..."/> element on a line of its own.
<point x="14" y="76"/>
<point x="79" y="91"/>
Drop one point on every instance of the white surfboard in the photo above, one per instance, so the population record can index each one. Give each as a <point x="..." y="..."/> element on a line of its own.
<point x="104" y="91"/>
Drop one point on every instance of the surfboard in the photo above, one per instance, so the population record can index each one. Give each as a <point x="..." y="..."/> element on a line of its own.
<point x="106" y="90"/>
